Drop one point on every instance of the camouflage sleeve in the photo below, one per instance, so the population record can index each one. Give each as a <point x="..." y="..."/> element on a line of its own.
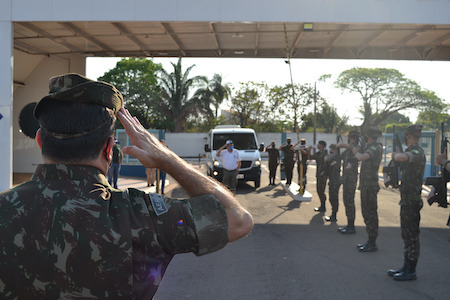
<point x="414" y="156"/>
<point x="197" y="224"/>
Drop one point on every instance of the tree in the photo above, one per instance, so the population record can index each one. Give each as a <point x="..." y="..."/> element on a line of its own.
<point x="385" y="92"/>
<point x="290" y="102"/>
<point x="136" y="79"/>
<point x="433" y="120"/>
<point x="329" y="119"/>
<point x="174" y="99"/>
<point x="248" y="103"/>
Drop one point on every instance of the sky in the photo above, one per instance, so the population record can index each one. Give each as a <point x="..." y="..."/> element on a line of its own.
<point x="431" y="75"/>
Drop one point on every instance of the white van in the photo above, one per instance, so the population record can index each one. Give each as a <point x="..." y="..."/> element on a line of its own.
<point x="245" y="141"/>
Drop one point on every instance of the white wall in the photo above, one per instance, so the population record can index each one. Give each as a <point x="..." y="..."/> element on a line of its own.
<point x="6" y="102"/>
<point x="26" y="153"/>
<point x="192" y="144"/>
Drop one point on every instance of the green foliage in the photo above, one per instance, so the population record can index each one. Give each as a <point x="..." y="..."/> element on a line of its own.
<point x="395" y="118"/>
<point x="399" y="127"/>
<point x="136" y="79"/>
<point x="174" y="101"/>
<point x="384" y="92"/>
<point x="248" y="104"/>
<point x="432" y="120"/>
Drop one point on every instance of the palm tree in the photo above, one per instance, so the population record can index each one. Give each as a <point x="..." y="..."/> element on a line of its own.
<point x="214" y="92"/>
<point x="174" y="99"/>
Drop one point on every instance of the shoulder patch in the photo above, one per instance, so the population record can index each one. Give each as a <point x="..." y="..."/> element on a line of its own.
<point x="158" y="203"/>
<point x="415" y="151"/>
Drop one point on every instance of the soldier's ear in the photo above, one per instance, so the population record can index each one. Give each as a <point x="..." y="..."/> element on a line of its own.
<point x="108" y="149"/>
<point x="39" y="138"/>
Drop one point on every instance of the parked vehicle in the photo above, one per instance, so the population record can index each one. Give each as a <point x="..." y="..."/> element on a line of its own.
<point x="245" y="141"/>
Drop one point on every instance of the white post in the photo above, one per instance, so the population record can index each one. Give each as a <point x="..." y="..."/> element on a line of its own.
<point x="6" y="104"/>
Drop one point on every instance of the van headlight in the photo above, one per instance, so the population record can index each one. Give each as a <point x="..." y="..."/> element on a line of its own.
<point x="216" y="163"/>
<point x="258" y="163"/>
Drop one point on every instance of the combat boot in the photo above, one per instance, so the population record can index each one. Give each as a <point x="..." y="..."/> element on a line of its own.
<point x="331" y="218"/>
<point x="409" y="271"/>
<point x="392" y="272"/>
<point x="347" y="230"/>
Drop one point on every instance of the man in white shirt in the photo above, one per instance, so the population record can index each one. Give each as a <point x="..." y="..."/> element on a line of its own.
<point x="231" y="163"/>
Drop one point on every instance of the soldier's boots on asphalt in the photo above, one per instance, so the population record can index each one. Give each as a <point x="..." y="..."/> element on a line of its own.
<point x="408" y="272"/>
<point x="392" y="272"/>
<point x="320" y="209"/>
<point x="331" y="218"/>
<point x="347" y="229"/>
<point x="370" y="246"/>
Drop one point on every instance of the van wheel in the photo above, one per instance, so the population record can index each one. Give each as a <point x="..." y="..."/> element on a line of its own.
<point x="257" y="183"/>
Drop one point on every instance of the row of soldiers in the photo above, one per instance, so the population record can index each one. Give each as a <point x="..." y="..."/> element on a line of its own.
<point x="330" y="165"/>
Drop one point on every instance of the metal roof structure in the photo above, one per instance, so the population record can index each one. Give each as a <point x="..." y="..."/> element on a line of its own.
<point x="234" y="39"/>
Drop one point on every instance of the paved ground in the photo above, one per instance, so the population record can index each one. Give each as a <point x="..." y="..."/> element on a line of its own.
<point x="292" y="253"/>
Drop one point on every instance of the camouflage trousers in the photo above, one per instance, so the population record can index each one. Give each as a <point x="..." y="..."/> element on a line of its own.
<point x="369" y="207"/>
<point x="349" y="187"/>
<point x="288" y="168"/>
<point x="333" y="193"/>
<point x="410" y="220"/>
<point x="272" y="170"/>
<point x="320" y="188"/>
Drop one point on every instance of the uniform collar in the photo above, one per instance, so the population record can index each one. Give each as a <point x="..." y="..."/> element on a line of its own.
<point x="69" y="172"/>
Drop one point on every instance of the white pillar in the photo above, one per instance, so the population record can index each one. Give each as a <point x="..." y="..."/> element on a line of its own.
<point x="6" y="104"/>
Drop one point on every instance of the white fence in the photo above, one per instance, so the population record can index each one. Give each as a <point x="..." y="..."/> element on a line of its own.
<point x="189" y="145"/>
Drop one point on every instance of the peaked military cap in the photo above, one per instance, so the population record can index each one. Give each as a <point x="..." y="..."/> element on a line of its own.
<point x="74" y="87"/>
<point x="415" y="130"/>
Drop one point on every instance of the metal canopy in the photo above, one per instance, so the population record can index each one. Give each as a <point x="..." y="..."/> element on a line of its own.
<point x="235" y="39"/>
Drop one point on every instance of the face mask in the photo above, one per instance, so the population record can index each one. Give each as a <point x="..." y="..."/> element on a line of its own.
<point x="231" y="148"/>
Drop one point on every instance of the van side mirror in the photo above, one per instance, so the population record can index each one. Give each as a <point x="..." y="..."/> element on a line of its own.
<point x="261" y="147"/>
<point x="207" y="149"/>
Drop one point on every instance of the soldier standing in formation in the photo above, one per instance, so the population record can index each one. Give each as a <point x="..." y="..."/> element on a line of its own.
<point x="321" y="174"/>
<point x="368" y="184"/>
<point x="302" y="162"/>
<point x="333" y="162"/>
<point x="349" y="179"/>
<point x="288" y="160"/>
<point x="412" y="166"/>
<point x="274" y="161"/>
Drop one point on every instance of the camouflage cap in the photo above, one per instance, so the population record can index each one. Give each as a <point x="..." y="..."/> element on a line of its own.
<point x="415" y="130"/>
<point x="74" y="87"/>
<point x="373" y="132"/>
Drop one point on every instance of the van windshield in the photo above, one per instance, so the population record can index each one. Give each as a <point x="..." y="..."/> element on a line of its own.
<point x="241" y="141"/>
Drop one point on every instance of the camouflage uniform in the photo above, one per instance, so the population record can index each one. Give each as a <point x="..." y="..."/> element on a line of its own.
<point x="368" y="184"/>
<point x="302" y="164"/>
<point x="349" y="180"/>
<point x="334" y="181"/>
<point x="288" y="162"/>
<point x="274" y="158"/>
<point x="68" y="234"/>
<point x="321" y="175"/>
<point x="411" y="202"/>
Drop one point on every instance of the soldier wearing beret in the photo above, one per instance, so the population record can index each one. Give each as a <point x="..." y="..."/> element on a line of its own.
<point x="68" y="234"/>
<point x="412" y="167"/>
<point x="369" y="187"/>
